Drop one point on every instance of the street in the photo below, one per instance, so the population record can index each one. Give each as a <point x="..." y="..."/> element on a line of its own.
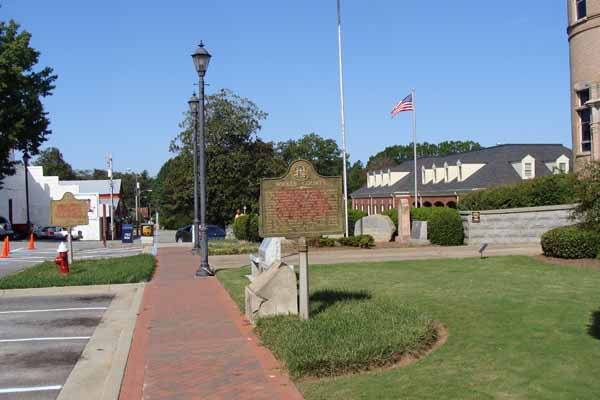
<point x="21" y="258"/>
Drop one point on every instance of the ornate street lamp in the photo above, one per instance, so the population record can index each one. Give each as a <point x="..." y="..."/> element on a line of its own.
<point x="201" y="59"/>
<point x="193" y="103"/>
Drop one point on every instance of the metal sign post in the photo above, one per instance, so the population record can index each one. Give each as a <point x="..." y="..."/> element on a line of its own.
<point x="304" y="310"/>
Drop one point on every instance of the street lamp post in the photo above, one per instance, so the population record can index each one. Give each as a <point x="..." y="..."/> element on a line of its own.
<point x="201" y="59"/>
<point x="194" y="104"/>
<point x="26" y="158"/>
<point x="136" y="195"/>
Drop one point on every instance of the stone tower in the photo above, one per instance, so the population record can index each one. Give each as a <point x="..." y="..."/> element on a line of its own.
<point x="584" y="48"/>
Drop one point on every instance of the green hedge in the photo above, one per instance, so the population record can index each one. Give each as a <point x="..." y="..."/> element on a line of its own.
<point x="245" y="227"/>
<point x="353" y="216"/>
<point x="542" y="191"/>
<point x="571" y="242"/>
<point x="364" y="241"/>
<point x="444" y="226"/>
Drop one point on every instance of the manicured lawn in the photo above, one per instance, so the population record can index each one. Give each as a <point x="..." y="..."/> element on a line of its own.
<point x="518" y="328"/>
<point x="89" y="272"/>
<point x="230" y="246"/>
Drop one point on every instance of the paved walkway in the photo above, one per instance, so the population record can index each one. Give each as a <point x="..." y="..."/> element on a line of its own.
<point x="348" y="255"/>
<point x="190" y="342"/>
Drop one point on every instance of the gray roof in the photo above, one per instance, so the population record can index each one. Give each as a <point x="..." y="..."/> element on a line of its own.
<point x="96" y="186"/>
<point x="498" y="169"/>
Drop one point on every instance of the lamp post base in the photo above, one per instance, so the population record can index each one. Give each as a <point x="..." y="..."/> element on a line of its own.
<point x="204" y="272"/>
<point x="196" y="251"/>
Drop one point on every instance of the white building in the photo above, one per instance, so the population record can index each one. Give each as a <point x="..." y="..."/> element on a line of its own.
<point x="43" y="189"/>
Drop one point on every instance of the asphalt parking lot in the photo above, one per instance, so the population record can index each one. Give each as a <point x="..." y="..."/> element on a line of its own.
<point x="20" y="257"/>
<point x="41" y="339"/>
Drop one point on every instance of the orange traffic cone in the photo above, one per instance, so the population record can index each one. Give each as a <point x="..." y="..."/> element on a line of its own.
<point x="31" y="242"/>
<point x="5" y="248"/>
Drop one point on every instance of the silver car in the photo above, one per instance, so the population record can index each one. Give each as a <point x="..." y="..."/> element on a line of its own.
<point x="6" y="229"/>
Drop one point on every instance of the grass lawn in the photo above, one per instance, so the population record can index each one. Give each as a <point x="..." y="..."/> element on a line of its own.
<point x="518" y="328"/>
<point x="230" y="246"/>
<point x="88" y="272"/>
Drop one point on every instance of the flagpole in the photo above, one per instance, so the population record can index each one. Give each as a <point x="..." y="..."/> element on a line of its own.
<point x="343" y="122"/>
<point x="414" y="104"/>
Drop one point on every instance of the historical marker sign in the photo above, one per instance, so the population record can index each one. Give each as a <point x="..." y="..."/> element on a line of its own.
<point x="69" y="211"/>
<point x="301" y="204"/>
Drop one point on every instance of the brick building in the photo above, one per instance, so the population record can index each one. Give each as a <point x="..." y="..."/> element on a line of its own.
<point x="442" y="180"/>
<point x="584" y="48"/>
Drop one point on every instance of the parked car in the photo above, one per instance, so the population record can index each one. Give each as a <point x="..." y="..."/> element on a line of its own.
<point x="185" y="234"/>
<point x="6" y="229"/>
<point x="55" y="232"/>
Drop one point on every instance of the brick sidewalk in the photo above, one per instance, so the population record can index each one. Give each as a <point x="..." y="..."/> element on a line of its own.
<point x="190" y="342"/>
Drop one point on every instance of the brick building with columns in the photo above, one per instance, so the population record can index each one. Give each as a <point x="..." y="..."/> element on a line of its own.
<point x="442" y="180"/>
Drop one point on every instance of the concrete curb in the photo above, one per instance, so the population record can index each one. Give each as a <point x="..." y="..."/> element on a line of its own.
<point x="68" y="290"/>
<point x="99" y="371"/>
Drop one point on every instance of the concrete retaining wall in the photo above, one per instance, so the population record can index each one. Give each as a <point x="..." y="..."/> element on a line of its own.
<point x="516" y="225"/>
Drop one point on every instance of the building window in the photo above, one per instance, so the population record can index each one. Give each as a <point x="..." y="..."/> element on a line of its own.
<point x="581" y="9"/>
<point x="562" y="167"/>
<point x="460" y="171"/>
<point x="446" y="172"/>
<point x="585" y="119"/>
<point x="528" y="170"/>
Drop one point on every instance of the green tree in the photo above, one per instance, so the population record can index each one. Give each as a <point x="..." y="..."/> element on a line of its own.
<point x="357" y="176"/>
<point x="23" y="121"/>
<point x="325" y="154"/>
<point x="236" y="161"/>
<point x="397" y="154"/>
<point x="54" y="164"/>
<point x="587" y="191"/>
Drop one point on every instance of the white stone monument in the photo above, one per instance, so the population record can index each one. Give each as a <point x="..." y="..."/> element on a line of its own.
<point x="381" y="227"/>
<point x="269" y="252"/>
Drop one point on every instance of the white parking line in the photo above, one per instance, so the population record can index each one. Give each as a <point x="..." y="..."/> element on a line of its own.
<point x="53" y="309"/>
<point x="43" y="339"/>
<point x="30" y="389"/>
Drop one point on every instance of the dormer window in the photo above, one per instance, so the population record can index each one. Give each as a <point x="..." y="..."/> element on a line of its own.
<point x="528" y="167"/>
<point x="562" y="167"/>
<point x="423" y="180"/>
<point x="460" y="171"/>
<point x="434" y="174"/>
<point x="527" y="170"/>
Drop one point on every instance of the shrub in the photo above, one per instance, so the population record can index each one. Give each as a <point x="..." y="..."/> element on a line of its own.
<point x="444" y="226"/>
<point x="353" y="216"/>
<point x="571" y="242"/>
<point x="245" y="227"/>
<point x="587" y="190"/>
<point x="541" y="191"/>
<point x="363" y="241"/>
<point x="393" y="214"/>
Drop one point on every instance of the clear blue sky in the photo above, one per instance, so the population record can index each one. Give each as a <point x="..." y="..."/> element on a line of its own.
<point x="494" y="73"/>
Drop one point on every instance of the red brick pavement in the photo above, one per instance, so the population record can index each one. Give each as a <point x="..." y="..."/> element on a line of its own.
<point x="190" y="342"/>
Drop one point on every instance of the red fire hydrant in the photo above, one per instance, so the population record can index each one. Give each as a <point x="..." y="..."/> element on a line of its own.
<point x="62" y="259"/>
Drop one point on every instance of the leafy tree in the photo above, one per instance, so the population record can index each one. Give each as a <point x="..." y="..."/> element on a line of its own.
<point x="397" y="154"/>
<point x="587" y="191"/>
<point x="23" y="121"/>
<point x="54" y="164"/>
<point x="325" y="154"/>
<point x="357" y="176"/>
<point x="236" y="161"/>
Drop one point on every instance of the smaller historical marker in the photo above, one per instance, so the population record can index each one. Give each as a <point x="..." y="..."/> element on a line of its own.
<point x="302" y="204"/>
<point x="69" y="212"/>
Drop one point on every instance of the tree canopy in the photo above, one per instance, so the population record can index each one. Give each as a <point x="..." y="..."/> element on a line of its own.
<point x="23" y="121"/>
<point x="54" y="164"/>
<point x="325" y="154"/>
<point x="397" y="154"/>
<point x="236" y="161"/>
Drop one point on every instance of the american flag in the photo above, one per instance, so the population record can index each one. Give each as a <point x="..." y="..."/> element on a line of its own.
<point x="405" y="104"/>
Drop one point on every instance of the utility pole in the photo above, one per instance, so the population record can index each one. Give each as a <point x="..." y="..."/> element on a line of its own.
<point x="111" y="209"/>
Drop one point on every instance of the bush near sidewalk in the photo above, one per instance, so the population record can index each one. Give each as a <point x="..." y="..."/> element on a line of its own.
<point x="245" y="228"/>
<point x="82" y="273"/>
<point x="571" y="242"/>
<point x="444" y="226"/>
